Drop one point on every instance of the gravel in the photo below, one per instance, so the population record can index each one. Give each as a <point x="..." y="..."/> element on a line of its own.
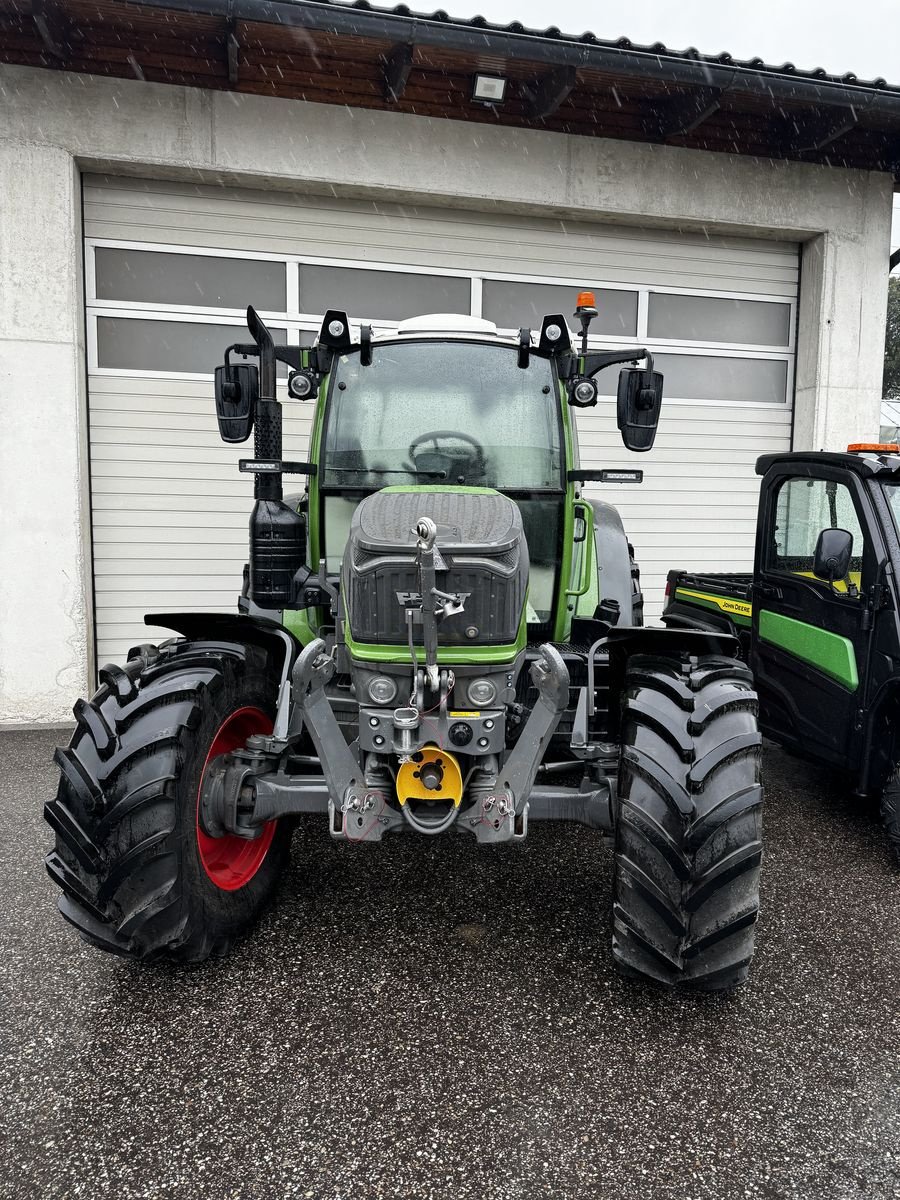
<point x="431" y="1019"/>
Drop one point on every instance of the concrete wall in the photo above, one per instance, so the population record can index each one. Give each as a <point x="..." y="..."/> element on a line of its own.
<point x="52" y="123"/>
<point x="45" y="609"/>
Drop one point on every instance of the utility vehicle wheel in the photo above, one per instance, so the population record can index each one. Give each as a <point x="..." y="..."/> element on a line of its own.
<point x="890" y="812"/>
<point x="689" y="823"/>
<point x="138" y="874"/>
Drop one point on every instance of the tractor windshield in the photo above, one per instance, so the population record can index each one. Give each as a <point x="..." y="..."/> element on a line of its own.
<point x="457" y="412"/>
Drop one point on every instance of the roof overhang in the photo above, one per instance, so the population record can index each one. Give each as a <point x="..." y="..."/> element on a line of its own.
<point x="358" y="56"/>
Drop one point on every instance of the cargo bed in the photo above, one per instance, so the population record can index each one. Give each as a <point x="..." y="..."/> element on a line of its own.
<point x="717" y="600"/>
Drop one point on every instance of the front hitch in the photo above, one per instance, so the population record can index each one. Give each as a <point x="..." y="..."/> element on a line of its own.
<point x="501" y="813"/>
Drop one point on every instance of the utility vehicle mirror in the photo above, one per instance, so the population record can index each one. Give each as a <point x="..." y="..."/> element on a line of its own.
<point x="237" y="390"/>
<point x="834" y="550"/>
<point x="637" y="407"/>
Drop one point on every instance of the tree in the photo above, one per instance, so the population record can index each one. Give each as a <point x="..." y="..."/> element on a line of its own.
<point x="891" y="381"/>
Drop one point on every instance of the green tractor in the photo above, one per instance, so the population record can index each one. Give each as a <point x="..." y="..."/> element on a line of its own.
<point x="441" y="634"/>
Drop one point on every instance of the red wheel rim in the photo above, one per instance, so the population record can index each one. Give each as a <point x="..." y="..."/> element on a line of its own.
<point x="232" y="861"/>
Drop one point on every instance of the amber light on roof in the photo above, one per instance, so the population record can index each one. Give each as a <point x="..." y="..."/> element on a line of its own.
<point x="881" y="447"/>
<point x="586" y="300"/>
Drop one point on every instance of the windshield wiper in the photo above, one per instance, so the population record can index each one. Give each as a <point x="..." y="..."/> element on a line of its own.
<point x="381" y="471"/>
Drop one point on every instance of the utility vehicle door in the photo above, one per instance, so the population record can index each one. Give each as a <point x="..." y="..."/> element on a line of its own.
<point x="810" y="636"/>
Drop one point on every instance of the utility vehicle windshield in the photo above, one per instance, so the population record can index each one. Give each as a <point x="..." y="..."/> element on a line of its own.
<point x="454" y="412"/>
<point x="892" y="495"/>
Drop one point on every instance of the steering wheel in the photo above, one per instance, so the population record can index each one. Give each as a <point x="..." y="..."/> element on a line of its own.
<point x="480" y="461"/>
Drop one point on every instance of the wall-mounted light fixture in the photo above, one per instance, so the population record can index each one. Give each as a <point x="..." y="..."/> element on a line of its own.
<point x="489" y="89"/>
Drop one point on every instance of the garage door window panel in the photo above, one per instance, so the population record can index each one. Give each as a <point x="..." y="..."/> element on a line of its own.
<point x="723" y="378"/>
<point x="191" y="280"/>
<point x="730" y="321"/>
<point x="381" y="295"/>
<point x="511" y="305"/>
<point x="180" y="347"/>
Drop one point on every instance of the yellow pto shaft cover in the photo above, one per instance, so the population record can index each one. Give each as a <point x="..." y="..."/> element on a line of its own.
<point x="430" y="774"/>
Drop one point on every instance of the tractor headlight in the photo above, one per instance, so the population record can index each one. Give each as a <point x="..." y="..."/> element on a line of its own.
<point x="301" y="385"/>
<point x="584" y="393"/>
<point x="482" y="692"/>
<point x="382" y="690"/>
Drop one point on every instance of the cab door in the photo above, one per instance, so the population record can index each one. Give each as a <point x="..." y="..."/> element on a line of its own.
<point x="810" y="637"/>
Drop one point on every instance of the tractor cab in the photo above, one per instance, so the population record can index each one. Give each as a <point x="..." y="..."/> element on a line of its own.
<point x="446" y="400"/>
<point x="454" y="407"/>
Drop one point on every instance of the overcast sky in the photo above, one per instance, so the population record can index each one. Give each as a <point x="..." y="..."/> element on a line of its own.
<point x="862" y="36"/>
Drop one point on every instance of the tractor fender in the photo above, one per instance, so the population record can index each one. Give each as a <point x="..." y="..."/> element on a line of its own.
<point x="280" y="643"/>
<point x="622" y="642"/>
<point x="613" y="558"/>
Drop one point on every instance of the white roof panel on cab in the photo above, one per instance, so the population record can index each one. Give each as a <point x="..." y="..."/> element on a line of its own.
<point x="447" y="323"/>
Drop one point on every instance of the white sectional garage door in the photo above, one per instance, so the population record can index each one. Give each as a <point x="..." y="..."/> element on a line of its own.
<point x="170" y="268"/>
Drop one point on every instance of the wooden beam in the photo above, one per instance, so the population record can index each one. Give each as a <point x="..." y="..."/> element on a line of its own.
<point x="233" y="47"/>
<point x="53" y="27"/>
<point x="805" y="135"/>
<point x="396" y="68"/>
<point x="549" y="91"/>
<point x="683" y="114"/>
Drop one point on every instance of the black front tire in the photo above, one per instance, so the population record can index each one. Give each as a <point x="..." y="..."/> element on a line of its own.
<point x="128" y="854"/>
<point x="689" y="823"/>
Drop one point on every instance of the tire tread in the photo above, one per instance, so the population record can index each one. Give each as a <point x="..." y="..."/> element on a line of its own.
<point x="689" y="829"/>
<point x="119" y="857"/>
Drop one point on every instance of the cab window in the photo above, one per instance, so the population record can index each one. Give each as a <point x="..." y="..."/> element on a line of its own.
<point x="432" y="412"/>
<point x="804" y="507"/>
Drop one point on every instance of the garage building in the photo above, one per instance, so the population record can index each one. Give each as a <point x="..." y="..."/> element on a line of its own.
<point x="733" y="218"/>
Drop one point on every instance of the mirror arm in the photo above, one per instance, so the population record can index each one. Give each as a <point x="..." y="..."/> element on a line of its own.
<point x="598" y="362"/>
<point x="290" y="355"/>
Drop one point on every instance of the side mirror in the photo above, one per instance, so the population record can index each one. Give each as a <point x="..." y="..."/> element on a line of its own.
<point x="637" y="407"/>
<point x="834" y="550"/>
<point x="237" y="390"/>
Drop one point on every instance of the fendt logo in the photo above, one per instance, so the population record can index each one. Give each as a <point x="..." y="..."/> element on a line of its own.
<point x="414" y="599"/>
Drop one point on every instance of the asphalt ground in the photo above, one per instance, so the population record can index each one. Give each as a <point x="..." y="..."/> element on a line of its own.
<point x="433" y="1019"/>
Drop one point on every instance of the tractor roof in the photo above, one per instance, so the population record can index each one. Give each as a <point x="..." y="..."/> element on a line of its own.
<point x="447" y="323"/>
<point x="452" y="325"/>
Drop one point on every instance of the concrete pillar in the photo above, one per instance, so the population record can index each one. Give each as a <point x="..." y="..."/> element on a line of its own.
<point x="841" y="328"/>
<point x="45" y="615"/>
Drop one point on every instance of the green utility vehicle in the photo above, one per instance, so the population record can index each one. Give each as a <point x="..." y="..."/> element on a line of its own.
<point x="819" y="619"/>
<point x="440" y="634"/>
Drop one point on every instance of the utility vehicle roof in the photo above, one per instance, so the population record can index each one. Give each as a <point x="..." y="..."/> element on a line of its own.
<point x="865" y="464"/>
